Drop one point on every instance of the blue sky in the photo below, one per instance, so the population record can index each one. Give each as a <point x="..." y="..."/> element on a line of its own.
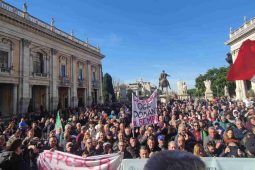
<point x="140" y="38"/>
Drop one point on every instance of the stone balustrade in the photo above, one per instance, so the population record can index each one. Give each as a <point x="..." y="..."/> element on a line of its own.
<point x="82" y="83"/>
<point x="40" y="74"/>
<point x="246" y="27"/>
<point x="64" y="81"/>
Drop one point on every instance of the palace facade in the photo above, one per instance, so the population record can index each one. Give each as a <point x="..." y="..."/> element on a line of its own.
<point x="42" y="67"/>
<point x="236" y="38"/>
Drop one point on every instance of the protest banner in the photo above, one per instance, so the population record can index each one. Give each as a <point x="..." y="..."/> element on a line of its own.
<point x="212" y="163"/>
<point x="57" y="160"/>
<point x="144" y="112"/>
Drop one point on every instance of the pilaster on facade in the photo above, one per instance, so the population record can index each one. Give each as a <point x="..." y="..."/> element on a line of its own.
<point x="101" y="83"/>
<point x="74" y="99"/>
<point x="14" y="98"/>
<point x="89" y="82"/>
<point x="240" y="90"/>
<point x="53" y="89"/>
<point x="24" y="96"/>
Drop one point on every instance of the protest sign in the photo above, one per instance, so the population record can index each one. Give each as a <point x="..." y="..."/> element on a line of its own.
<point x="144" y="112"/>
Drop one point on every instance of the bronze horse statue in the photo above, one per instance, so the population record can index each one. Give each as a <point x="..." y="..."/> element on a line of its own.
<point x="163" y="82"/>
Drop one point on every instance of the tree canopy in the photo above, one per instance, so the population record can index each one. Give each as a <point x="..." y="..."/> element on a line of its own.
<point x="218" y="77"/>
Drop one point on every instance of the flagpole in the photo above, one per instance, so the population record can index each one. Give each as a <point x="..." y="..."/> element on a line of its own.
<point x="132" y="120"/>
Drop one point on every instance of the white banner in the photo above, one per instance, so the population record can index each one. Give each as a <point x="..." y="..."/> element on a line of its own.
<point x="144" y="112"/>
<point x="56" y="160"/>
<point x="211" y="164"/>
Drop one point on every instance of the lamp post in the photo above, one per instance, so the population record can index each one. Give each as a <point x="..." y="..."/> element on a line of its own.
<point x="217" y="91"/>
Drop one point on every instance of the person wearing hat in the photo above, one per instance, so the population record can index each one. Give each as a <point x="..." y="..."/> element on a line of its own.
<point x="161" y="142"/>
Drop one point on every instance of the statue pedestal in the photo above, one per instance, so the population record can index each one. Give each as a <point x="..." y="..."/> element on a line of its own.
<point x="164" y="98"/>
<point x="183" y="96"/>
<point x="209" y="95"/>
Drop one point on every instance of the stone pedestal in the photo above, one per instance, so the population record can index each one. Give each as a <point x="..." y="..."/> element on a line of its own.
<point x="164" y="98"/>
<point x="209" y="95"/>
<point x="183" y="96"/>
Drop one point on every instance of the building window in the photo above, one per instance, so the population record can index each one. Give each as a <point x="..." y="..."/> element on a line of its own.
<point x="4" y="59"/>
<point x="63" y="70"/>
<point x="93" y="76"/>
<point x="80" y="77"/>
<point x="38" y="63"/>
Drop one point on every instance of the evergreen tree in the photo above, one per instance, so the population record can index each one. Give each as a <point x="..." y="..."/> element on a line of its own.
<point x="108" y="89"/>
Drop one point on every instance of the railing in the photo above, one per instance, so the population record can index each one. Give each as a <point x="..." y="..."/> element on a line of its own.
<point x="249" y="25"/>
<point x="64" y="80"/>
<point x="5" y="69"/>
<point x="82" y="82"/>
<point x="45" y="25"/>
<point x="39" y="74"/>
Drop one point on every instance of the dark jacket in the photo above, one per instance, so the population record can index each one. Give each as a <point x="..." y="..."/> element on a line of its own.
<point x="11" y="161"/>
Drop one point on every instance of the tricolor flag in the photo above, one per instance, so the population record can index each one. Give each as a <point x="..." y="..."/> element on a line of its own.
<point x="58" y="123"/>
<point x="244" y="65"/>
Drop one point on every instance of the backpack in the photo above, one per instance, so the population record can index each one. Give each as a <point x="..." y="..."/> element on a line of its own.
<point x="5" y="159"/>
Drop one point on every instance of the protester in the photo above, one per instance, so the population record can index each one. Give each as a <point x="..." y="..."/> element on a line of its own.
<point x="174" y="160"/>
<point x="221" y="127"/>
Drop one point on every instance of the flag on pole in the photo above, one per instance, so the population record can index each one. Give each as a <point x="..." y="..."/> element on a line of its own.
<point x="244" y="65"/>
<point x="58" y="123"/>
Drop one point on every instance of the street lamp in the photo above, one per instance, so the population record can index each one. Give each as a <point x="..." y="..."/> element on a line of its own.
<point x="217" y="91"/>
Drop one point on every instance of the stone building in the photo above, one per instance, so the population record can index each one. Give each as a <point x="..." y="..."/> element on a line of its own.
<point x="142" y="88"/>
<point x="42" y="67"/>
<point x="236" y="38"/>
<point x="121" y="92"/>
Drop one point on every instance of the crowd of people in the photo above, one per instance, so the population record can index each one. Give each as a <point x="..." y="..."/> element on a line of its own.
<point x="218" y="128"/>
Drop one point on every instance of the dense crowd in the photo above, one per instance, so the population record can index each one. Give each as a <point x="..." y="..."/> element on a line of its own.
<point x="218" y="128"/>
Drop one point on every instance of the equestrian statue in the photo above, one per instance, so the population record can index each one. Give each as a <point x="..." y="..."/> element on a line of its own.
<point x="163" y="82"/>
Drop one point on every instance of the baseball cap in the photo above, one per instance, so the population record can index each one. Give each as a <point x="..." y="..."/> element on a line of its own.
<point x="161" y="137"/>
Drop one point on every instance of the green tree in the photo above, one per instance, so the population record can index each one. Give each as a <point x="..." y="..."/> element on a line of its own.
<point x="192" y="92"/>
<point x="108" y="88"/>
<point x="218" y="77"/>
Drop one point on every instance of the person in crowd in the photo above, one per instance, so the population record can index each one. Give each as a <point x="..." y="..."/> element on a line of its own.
<point x="174" y="160"/>
<point x="144" y="152"/>
<point x="133" y="147"/>
<point x="36" y="130"/>
<point x="172" y="146"/>
<point x="239" y="130"/>
<point x="2" y="143"/>
<point x="211" y="150"/>
<point x="15" y="160"/>
<point x="199" y="150"/>
<point x="229" y="137"/>
<point x="122" y="148"/>
<point x="151" y="143"/>
<point x="161" y="142"/>
<point x="23" y="125"/>
<point x="223" y="127"/>
<point x="53" y="144"/>
<point x="232" y="150"/>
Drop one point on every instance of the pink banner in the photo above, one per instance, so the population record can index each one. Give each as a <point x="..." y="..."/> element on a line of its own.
<point x="56" y="160"/>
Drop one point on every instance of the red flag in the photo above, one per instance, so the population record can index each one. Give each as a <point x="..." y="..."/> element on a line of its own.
<point x="244" y="65"/>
